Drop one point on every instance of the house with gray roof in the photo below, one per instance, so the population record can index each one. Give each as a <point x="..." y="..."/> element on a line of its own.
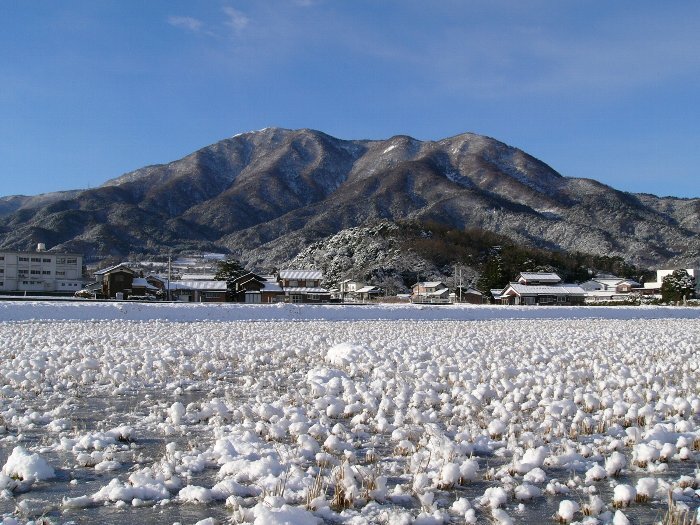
<point x="430" y="292"/>
<point x="539" y="288"/>
<point x="303" y="286"/>
<point x="610" y="288"/>
<point x="562" y="294"/>
<point x="199" y="291"/>
<point x="536" y="278"/>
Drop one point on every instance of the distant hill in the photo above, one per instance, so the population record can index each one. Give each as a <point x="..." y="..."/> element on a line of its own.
<point x="267" y="195"/>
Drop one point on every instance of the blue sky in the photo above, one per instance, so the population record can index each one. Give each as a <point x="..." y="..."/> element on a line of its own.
<point x="606" y="90"/>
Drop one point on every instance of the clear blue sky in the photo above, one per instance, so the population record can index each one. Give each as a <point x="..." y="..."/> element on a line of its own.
<point x="92" y="89"/>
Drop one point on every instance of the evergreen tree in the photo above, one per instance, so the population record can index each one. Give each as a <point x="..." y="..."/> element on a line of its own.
<point x="678" y="286"/>
<point x="492" y="275"/>
<point x="230" y="270"/>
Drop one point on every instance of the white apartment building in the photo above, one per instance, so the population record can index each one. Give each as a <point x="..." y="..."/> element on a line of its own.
<point x="40" y="271"/>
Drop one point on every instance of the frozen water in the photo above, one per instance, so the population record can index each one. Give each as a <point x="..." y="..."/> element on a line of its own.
<point x="281" y="414"/>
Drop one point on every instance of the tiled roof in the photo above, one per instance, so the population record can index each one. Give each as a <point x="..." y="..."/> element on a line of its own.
<point x="115" y="267"/>
<point x="524" y="289"/>
<point x="140" y="281"/>
<point x="301" y="274"/>
<point x="303" y="290"/>
<point x="540" y="276"/>
<point x="368" y="289"/>
<point x="271" y="286"/>
<point x="197" y="277"/>
<point x="199" y="285"/>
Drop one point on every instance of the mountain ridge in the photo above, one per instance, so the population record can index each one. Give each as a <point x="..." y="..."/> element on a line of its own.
<point x="264" y="196"/>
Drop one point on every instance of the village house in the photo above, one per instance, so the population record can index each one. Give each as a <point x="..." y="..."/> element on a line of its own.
<point x="431" y="292"/>
<point x="303" y="286"/>
<point x="368" y="293"/>
<point x="540" y="288"/>
<point x="116" y="281"/>
<point x="346" y="290"/>
<point x="350" y="290"/>
<point x="610" y="288"/>
<point x="253" y="288"/>
<point x="467" y="295"/>
<point x="190" y="290"/>
<point x="140" y="287"/>
<point x="160" y="283"/>
<point x="199" y="291"/>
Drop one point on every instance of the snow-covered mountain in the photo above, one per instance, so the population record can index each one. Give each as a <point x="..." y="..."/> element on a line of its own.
<point x="266" y="196"/>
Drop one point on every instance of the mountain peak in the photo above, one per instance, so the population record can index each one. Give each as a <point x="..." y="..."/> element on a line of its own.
<point x="264" y="195"/>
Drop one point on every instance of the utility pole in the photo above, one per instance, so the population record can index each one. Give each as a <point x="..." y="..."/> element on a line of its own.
<point x="460" y="284"/>
<point x="418" y="287"/>
<point x="170" y="271"/>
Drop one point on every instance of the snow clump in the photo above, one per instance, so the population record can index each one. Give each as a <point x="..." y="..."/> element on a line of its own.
<point x="25" y="466"/>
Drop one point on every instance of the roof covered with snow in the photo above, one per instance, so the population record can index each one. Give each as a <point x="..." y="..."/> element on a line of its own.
<point x="304" y="289"/>
<point x="199" y="285"/>
<point x="605" y="293"/>
<point x="110" y="269"/>
<point x="428" y="284"/>
<point x="142" y="282"/>
<point x="369" y="289"/>
<point x="271" y="286"/>
<point x="434" y="293"/>
<point x="524" y="289"/>
<point x="540" y="276"/>
<point x="301" y="274"/>
<point x="198" y="277"/>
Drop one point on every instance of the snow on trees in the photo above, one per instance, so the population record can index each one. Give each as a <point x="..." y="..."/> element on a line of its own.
<point x="678" y="286"/>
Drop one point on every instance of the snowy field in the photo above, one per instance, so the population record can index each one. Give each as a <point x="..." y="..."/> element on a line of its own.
<point x="125" y="413"/>
<point x="135" y="311"/>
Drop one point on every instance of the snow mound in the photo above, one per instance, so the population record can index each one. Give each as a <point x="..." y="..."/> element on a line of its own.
<point x="349" y="354"/>
<point x="27" y="467"/>
<point x="285" y="515"/>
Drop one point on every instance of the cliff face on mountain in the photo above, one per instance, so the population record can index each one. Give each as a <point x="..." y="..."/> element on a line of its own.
<point x="265" y="196"/>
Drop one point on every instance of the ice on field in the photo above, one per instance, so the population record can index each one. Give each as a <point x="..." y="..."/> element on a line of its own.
<point x="393" y="415"/>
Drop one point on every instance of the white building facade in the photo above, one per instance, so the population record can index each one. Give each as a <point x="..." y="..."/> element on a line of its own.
<point x="660" y="274"/>
<point x="40" y="271"/>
